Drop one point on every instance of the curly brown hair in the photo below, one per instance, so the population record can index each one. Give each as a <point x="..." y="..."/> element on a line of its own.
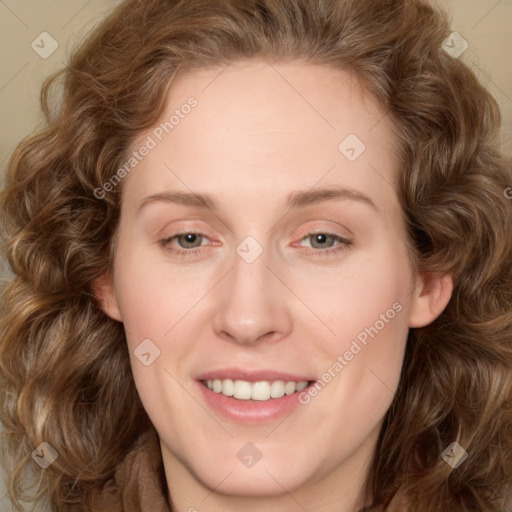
<point x="65" y="374"/>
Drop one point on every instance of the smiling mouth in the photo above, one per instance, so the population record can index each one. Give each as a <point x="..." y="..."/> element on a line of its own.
<point x="259" y="391"/>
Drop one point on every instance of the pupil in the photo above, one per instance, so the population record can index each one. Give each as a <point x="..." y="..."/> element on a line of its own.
<point x="188" y="238"/>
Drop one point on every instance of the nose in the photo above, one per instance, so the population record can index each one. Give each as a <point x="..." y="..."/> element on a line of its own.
<point x="253" y="304"/>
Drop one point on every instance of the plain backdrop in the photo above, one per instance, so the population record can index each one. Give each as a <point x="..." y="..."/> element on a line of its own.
<point x="31" y="29"/>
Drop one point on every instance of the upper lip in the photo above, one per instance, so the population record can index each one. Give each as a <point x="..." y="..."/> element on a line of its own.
<point x="252" y="375"/>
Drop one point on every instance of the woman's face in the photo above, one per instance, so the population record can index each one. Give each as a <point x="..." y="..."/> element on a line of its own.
<point x="294" y="269"/>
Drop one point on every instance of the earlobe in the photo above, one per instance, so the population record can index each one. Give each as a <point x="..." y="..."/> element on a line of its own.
<point x="103" y="288"/>
<point x="432" y="294"/>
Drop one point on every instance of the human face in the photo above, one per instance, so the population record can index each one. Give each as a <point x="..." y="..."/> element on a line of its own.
<point x="254" y="295"/>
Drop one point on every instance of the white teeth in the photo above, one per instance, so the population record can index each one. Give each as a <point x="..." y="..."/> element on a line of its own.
<point x="228" y="387"/>
<point x="243" y="390"/>
<point x="277" y="389"/>
<point x="301" y="385"/>
<point x="262" y="390"/>
<point x="289" y="388"/>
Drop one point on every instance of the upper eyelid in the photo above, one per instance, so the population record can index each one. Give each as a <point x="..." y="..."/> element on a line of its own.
<point x="306" y="232"/>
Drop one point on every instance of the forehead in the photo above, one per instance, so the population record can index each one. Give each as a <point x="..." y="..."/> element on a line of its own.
<point x="292" y="97"/>
<point x="261" y="124"/>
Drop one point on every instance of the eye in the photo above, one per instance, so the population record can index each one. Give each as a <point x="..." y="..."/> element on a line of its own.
<point x="189" y="243"/>
<point x="189" y="240"/>
<point x="322" y="242"/>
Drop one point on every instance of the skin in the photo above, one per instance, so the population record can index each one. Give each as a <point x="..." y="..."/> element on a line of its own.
<point x="251" y="141"/>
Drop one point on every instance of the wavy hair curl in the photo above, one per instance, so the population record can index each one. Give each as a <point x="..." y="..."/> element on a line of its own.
<point x="65" y="375"/>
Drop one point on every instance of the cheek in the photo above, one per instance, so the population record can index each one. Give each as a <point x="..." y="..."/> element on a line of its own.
<point x="152" y="302"/>
<point x="365" y="292"/>
<point x="368" y="344"/>
<point x="152" y="297"/>
<point x="366" y="308"/>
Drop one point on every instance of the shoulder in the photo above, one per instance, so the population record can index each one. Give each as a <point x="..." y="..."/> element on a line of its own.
<point x="139" y="481"/>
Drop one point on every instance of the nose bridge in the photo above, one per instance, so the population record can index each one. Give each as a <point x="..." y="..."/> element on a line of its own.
<point x="251" y="306"/>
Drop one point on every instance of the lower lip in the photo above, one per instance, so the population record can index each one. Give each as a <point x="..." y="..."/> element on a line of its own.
<point x="250" y="412"/>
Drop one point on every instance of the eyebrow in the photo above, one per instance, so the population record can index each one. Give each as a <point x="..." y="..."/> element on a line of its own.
<point x="295" y="200"/>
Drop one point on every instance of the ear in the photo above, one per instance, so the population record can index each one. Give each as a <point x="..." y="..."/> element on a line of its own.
<point x="103" y="288"/>
<point x="430" y="297"/>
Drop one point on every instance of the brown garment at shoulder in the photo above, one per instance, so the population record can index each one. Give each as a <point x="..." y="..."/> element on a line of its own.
<point x="139" y="483"/>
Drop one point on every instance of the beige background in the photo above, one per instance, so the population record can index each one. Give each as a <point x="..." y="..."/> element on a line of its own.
<point x="485" y="24"/>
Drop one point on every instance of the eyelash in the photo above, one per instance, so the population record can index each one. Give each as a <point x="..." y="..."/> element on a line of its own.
<point x="343" y="245"/>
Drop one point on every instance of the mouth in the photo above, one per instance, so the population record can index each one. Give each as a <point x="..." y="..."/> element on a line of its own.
<point x="262" y="390"/>
<point x="252" y="397"/>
